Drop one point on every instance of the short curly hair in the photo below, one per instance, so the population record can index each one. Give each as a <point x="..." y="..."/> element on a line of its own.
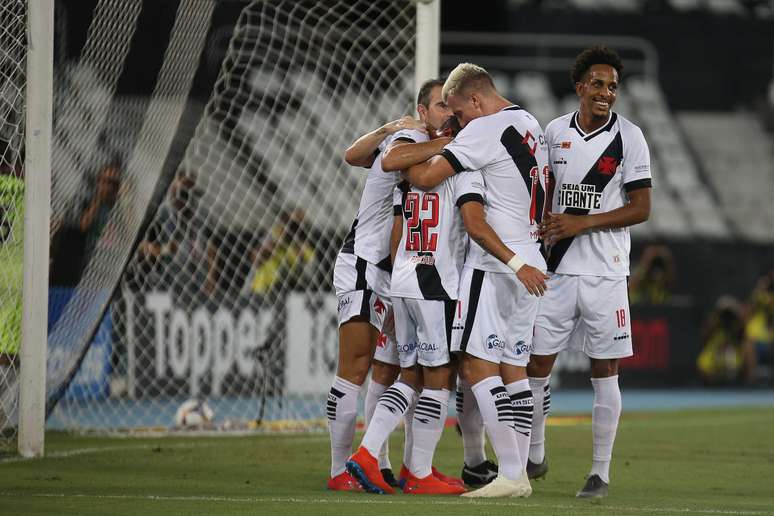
<point x="598" y="54"/>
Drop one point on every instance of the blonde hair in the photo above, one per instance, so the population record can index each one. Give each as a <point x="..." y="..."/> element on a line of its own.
<point x="466" y="76"/>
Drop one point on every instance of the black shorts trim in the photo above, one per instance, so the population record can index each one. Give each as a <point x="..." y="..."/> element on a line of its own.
<point x="475" y="293"/>
<point x="360" y="267"/>
<point x="365" y="306"/>
<point x="449" y="306"/>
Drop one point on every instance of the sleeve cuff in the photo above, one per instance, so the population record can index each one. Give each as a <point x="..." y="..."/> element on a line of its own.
<point x="636" y="185"/>
<point x="404" y="139"/>
<point x="470" y="197"/>
<point x="453" y="161"/>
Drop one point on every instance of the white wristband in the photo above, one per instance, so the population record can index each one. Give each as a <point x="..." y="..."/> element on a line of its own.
<point x="515" y="263"/>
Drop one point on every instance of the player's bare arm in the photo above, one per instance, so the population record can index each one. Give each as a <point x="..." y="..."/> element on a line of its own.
<point x="556" y="226"/>
<point x="404" y="155"/>
<point x="361" y="152"/>
<point x="429" y="174"/>
<point x="533" y="279"/>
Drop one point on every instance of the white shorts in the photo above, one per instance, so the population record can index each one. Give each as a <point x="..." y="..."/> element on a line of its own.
<point x="423" y="328"/>
<point x="585" y="313"/>
<point x="386" y="346"/>
<point x="362" y="289"/>
<point x="496" y="317"/>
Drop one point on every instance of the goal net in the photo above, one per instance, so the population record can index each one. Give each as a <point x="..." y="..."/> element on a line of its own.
<point x="199" y="198"/>
<point x="12" y="83"/>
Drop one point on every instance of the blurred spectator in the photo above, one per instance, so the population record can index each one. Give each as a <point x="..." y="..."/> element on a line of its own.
<point x="720" y="360"/>
<point x="96" y="211"/>
<point x="280" y="262"/>
<point x="759" y="331"/>
<point x="73" y="243"/>
<point x="653" y="278"/>
<point x="174" y="251"/>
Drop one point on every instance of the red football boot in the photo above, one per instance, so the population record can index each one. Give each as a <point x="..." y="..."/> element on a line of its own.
<point x="344" y="482"/>
<point x="449" y="480"/>
<point x="430" y="485"/>
<point x="365" y="469"/>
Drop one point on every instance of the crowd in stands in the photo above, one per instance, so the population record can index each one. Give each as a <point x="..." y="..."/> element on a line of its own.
<point x="738" y="338"/>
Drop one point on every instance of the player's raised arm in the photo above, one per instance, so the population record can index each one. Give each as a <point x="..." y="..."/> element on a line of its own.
<point x="533" y="279"/>
<point x="429" y="174"/>
<point x="404" y="155"/>
<point x="363" y="151"/>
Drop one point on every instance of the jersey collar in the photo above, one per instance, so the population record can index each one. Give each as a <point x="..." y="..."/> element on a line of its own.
<point x="588" y="136"/>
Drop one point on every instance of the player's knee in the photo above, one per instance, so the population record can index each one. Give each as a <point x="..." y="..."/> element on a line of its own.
<point x="603" y="368"/>
<point x="383" y="373"/>
<point x="540" y="365"/>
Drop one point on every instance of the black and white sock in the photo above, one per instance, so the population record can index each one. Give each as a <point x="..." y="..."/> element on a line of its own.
<point x="604" y="423"/>
<point x="429" y="418"/>
<point x="375" y="391"/>
<point x="521" y="399"/>
<point x="341" y="409"/>
<point x="497" y="413"/>
<point x="392" y="405"/>
<point x="541" y="393"/>
<point x="471" y="425"/>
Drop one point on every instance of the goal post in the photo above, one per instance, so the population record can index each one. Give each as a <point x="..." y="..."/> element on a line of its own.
<point x="428" y="45"/>
<point x="220" y="195"/>
<point x="37" y="202"/>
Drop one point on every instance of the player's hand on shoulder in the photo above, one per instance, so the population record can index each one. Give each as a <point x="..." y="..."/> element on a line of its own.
<point x="556" y="226"/>
<point x="407" y="122"/>
<point x="533" y="279"/>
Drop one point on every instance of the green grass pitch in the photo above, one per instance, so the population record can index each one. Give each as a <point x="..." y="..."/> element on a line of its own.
<point x="689" y="462"/>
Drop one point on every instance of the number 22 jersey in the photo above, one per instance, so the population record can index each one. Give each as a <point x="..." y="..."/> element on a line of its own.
<point x="433" y="244"/>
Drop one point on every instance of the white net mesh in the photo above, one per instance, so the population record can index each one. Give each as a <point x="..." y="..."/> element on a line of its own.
<point x="226" y="295"/>
<point x="12" y="84"/>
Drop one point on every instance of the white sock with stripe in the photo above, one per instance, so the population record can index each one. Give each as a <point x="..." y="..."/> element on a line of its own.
<point x="389" y="410"/>
<point x="541" y="393"/>
<point x="429" y="418"/>
<point x="341" y="409"/>
<point x="471" y="425"/>
<point x="497" y="413"/>
<point x="521" y="399"/>
<point x="375" y="390"/>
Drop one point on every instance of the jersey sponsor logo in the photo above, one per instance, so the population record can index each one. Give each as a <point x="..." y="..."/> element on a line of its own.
<point x="580" y="195"/>
<point x="343" y="303"/>
<point x="407" y="348"/>
<point x="521" y="347"/>
<point x="421" y="346"/>
<point x="607" y="165"/>
<point x="494" y="342"/>
<point x="425" y="259"/>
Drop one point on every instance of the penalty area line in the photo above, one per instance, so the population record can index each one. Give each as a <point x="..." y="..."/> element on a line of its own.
<point x="381" y="501"/>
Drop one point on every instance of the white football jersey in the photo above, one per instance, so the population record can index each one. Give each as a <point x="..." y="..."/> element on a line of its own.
<point x="369" y="237"/>
<point x="593" y="173"/>
<point x="432" y="247"/>
<point x="510" y="151"/>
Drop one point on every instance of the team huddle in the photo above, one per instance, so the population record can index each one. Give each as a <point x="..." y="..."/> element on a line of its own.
<point x="483" y="246"/>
